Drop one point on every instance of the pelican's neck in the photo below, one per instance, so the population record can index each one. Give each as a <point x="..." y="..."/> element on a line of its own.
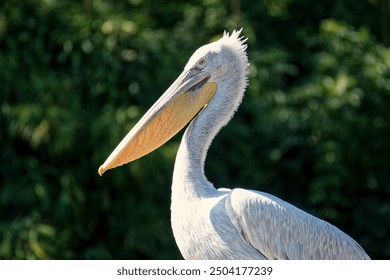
<point x="188" y="173"/>
<point x="188" y="177"/>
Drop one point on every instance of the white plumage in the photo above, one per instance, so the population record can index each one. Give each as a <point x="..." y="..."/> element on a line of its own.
<point x="223" y="224"/>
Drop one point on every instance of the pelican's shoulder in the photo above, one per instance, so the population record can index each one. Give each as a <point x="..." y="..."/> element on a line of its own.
<point x="224" y="190"/>
<point x="242" y="199"/>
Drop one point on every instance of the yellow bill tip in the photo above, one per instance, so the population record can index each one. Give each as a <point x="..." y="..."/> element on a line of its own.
<point x="101" y="170"/>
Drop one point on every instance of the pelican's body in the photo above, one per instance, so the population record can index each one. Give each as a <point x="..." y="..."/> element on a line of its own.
<point x="223" y="224"/>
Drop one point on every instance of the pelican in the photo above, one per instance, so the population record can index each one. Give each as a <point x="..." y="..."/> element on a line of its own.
<point x="211" y="223"/>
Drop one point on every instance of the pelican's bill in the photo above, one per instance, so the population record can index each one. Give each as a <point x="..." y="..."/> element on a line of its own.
<point x="175" y="108"/>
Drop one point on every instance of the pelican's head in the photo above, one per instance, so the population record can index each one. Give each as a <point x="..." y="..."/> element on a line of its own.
<point x="219" y="65"/>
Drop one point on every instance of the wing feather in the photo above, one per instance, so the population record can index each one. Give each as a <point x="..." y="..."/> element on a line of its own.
<point x="280" y="230"/>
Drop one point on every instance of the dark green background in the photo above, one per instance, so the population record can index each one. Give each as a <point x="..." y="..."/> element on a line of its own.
<point x="75" y="76"/>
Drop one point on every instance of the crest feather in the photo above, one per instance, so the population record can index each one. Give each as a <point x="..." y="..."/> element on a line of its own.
<point x="238" y="44"/>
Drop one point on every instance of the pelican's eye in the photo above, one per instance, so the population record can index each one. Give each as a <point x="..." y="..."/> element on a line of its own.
<point x="201" y="63"/>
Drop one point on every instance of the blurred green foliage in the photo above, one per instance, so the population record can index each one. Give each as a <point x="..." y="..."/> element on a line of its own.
<point x="75" y="76"/>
